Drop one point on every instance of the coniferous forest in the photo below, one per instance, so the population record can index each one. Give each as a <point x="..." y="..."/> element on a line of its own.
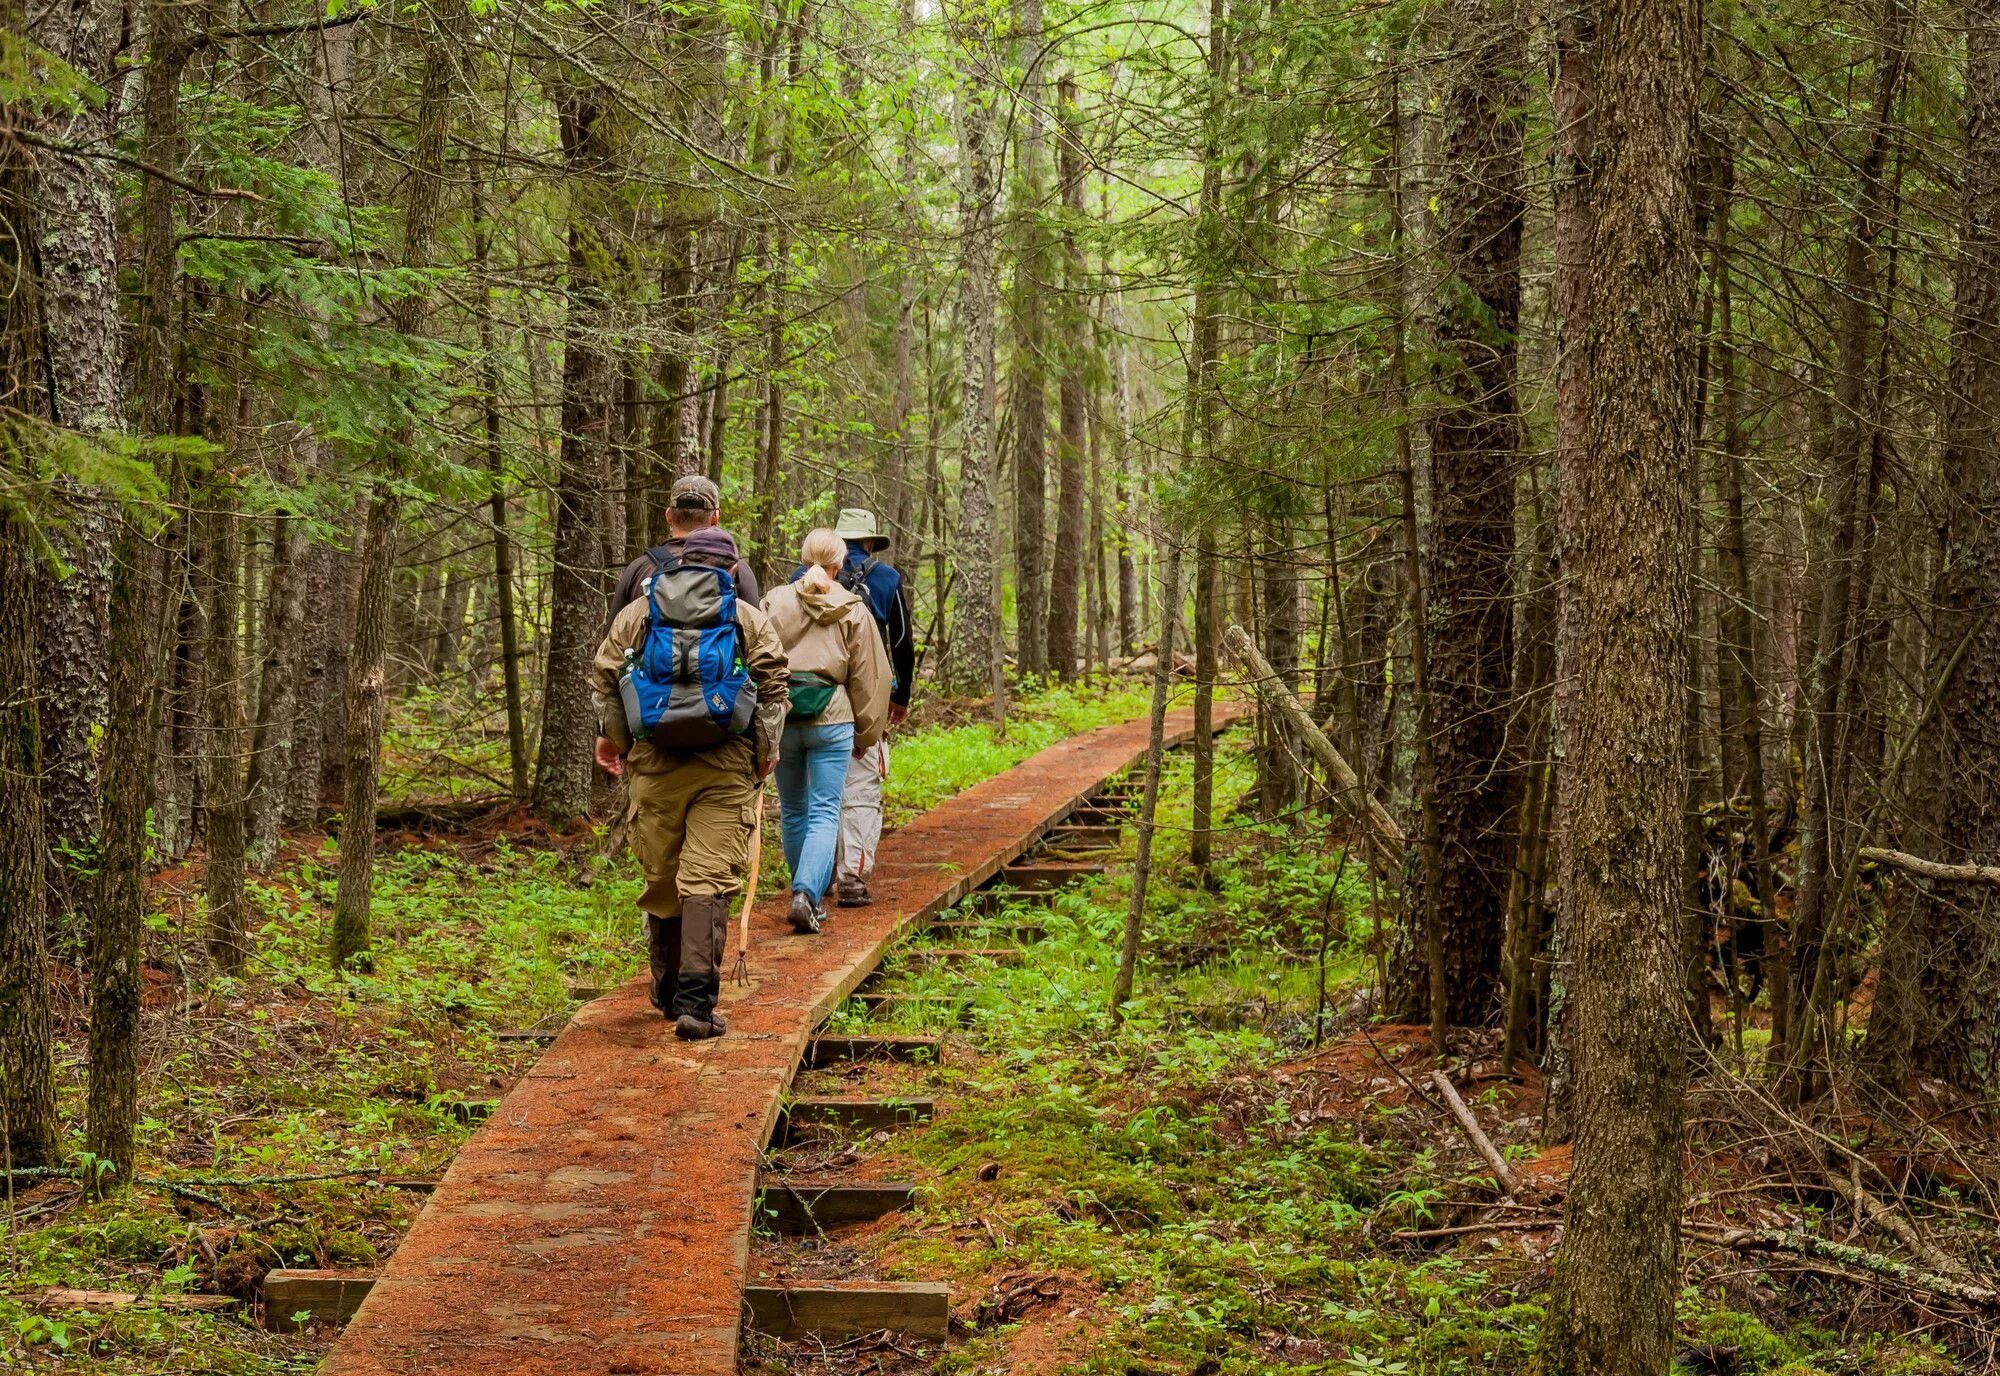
<point x="1573" y="427"/>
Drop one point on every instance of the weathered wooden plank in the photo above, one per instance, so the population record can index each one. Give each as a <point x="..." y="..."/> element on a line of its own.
<point x="802" y="1210"/>
<point x="1043" y="877"/>
<point x="890" y="1005"/>
<point x="853" y="1115"/>
<point x="326" y="1296"/>
<point x="829" y="1049"/>
<point x="842" y="1309"/>
<point x="988" y="929"/>
<point x="536" y="1036"/>
<point x="1085" y="833"/>
<point x="966" y="955"/>
<point x="56" y="1297"/>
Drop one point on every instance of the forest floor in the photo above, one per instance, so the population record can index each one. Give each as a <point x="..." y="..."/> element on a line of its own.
<point x="1246" y="1176"/>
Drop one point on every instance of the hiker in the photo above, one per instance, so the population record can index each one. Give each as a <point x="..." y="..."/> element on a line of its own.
<point x="694" y="503"/>
<point x="878" y="582"/>
<point x="691" y="685"/>
<point x="839" y="708"/>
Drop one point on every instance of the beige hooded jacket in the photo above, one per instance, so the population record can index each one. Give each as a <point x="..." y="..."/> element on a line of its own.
<point x="830" y="631"/>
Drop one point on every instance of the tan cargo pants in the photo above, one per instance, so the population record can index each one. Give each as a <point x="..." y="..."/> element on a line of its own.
<point x="691" y="831"/>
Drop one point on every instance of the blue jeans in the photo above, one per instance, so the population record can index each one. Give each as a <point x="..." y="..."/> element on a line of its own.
<point x="812" y="772"/>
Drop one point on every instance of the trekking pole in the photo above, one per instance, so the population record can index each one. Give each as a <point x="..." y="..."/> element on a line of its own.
<point x="740" y="972"/>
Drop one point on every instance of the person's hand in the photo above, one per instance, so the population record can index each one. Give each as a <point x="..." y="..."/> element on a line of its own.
<point x="764" y="770"/>
<point x="898" y="711"/>
<point x="608" y="758"/>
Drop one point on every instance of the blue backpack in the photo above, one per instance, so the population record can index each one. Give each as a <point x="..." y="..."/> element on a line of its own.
<point x="686" y="687"/>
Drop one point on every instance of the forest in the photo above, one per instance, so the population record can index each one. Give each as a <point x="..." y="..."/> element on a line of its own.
<point x="1566" y="431"/>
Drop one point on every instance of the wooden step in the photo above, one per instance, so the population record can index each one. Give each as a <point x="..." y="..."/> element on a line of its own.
<point x="994" y="900"/>
<point x="990" y="930"/>
<point x="852" y="1115"/>
<point x="1084" y="834"/>
<point x="529" y="1036"/>
<point x="802" y="1210"/>
<point x="325" y="1296"/>
<point x="889" y="1005"/>
<point x="1088" y="816"/>
<point x="965" y="955"/>
<point x="845" y="1308"/>
<point x="828" y="1050"/>
<point x="1044" y="877"/>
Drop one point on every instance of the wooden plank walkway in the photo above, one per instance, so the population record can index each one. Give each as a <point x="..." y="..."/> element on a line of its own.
<point x="599" y="1223"/>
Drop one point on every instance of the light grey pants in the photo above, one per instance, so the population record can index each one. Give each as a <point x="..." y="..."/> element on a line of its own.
<point x="861" y="812"/>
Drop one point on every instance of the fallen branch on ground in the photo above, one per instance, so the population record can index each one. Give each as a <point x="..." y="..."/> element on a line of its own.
<point x="1476" y="1135"/>
<point x="1874" y="1263"/>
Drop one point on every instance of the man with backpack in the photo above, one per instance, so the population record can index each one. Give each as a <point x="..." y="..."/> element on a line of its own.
<point x="692" y="686"/>
<point x="879" y="583"/>
<point x="694" y="503"/>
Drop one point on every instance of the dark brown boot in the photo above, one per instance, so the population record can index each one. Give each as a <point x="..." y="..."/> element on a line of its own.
<point x="663" y="959"/>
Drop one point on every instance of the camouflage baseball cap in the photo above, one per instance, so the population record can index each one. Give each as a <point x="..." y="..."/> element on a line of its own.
<point x="693" y="492"/>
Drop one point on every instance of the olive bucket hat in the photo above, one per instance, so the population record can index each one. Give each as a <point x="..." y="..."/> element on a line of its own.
<point x="857" y="525"/>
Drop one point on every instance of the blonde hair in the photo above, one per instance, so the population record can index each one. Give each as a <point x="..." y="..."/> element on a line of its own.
<point x="820" y="552"/>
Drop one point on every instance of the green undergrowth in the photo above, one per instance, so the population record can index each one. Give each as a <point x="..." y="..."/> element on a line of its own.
<point x="1175" y="1194"/>
<point x="358" y="1078"/>
<point x="937" y="760"/>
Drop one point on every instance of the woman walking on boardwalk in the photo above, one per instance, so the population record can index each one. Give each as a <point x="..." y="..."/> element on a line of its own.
<point x="839" y="709"/>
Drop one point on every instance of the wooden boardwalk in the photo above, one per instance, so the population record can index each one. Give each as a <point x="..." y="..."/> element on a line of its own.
<point x="599" y="1223"/>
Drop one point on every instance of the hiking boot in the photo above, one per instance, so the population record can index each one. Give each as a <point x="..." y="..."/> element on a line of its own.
<point x="663" y="960"/>
<point x="695" y="1027"/>
<point x="805" y="915"/>
<point x="853" y="892"/>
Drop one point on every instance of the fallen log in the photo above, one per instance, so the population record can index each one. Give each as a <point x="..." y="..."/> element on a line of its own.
<point x="1387" y="842"/>
<point x="1875" y="1264"/>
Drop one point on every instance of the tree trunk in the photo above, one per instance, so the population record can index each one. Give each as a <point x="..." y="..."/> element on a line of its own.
<point x="1823" y="815"/>
<point x="576" y="607"/>
<point x="503" y="544"/>
<point x="1937" y="1002"/>
<point x="1149" y="802"/>
<point x="1573" y="105"/>
<point x="1066" y="565"/>
<point x="1622" y="646"/>
<point x="438" y="32"/>
<point x="223" y="865"/>
<point x="1475" y="443"/>
<point x="278" y="700"/>
<point x="1028" y="371"/>
<point x="1201" y="836"/>
<point x="974" y="663"/>
<point x="138" y="609"/>
<point x="322" y="641"/>
<point x="31" y="1134"/>
<point x="81" y="328"/>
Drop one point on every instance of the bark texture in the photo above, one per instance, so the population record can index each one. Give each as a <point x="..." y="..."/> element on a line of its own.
<point x="1937" y="1004"/>
<point x="1622" y="646"/>
<point x="973" y="664"/>
<point x="1072" y="539"/>
<point x="84" y="352"/>
<point x="1475" y="444"/>
<point x="576" y="605"/>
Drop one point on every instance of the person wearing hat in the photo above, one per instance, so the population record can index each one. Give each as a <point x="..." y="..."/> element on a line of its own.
<point x="869" y="575"/>
<point x="840" y="708"/>
<point x="693" y="504"/>
<point x="692" y="812"/>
